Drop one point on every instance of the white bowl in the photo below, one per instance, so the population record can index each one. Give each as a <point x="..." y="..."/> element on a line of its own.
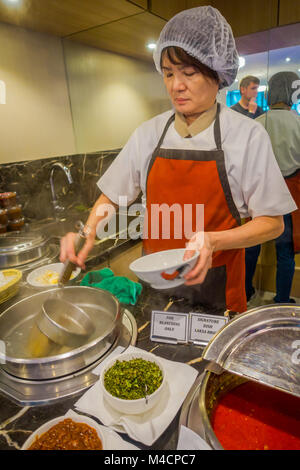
<point x="140" y="405"/>
<point x="78" y="419"/>
<point x="33" y="277"/>
<point x="152" y="268"/>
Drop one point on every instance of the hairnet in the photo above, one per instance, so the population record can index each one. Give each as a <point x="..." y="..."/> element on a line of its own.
<point x="203" y="33"/>
<point x="280" y="88"/>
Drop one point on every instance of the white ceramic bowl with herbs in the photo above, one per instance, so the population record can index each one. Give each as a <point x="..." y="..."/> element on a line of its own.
<point x="133" y="383"/>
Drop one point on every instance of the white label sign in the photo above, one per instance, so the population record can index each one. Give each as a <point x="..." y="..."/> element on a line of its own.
<point x="169" y="327"/>
<point x="203" y="327"/>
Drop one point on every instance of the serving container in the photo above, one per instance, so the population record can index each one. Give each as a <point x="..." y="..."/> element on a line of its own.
<point x="11" y="288"/>
<point x="141" y="405"/>
<point x="22" y="338"/>
<point x="164" y="269"/>
<point x="34" y="276"/>
<point x="20" y="250"/>
<point x="261" y="345"/>
<point x="77" y="419"/>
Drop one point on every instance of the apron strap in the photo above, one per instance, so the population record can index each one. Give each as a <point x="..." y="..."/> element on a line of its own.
<point x="169" y="122"/>
<point x="217" y="136"/>
<point x="217" y="129"/>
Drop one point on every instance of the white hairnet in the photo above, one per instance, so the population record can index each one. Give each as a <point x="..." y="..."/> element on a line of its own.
<point x="203" y="33"/>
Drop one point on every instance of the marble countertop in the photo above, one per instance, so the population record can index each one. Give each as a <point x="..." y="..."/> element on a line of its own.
<point x="17" y="422"/>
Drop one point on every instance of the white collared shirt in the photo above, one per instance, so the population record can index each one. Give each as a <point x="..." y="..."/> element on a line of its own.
<point x="255" y="180"/>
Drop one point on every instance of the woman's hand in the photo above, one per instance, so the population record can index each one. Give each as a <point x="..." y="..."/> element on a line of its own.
<point x="97" y="215"/>
<point x="67" y="251"/>
<point x="201" y="242"/>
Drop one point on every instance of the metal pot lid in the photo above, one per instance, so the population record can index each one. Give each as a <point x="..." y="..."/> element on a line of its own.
<point x="263" y="345"/>
<point x="11" y="243"/>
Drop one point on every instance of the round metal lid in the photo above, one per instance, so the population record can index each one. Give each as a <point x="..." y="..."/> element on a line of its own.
<point x="263" y="345"/>
<point x="13" y="243"/>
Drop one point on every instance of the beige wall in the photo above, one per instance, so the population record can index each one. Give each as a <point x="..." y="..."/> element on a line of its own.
<point x="36" y="120"/>
<point x="110" y="95"/>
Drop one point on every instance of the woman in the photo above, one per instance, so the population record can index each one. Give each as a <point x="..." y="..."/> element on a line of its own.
<point x="203" y="153"/>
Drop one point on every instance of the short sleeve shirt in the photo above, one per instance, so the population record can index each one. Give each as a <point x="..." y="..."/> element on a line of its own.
<point x="256" y="182"/>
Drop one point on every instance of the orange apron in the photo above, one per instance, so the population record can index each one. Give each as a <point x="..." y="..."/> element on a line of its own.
<point x="293" y="183"/>
<point x="178" y="176"/>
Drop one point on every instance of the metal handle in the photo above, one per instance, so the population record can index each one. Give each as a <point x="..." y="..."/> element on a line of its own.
<point x="69" y="266"/>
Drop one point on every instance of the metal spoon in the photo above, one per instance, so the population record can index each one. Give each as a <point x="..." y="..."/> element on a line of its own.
<point x="60" y="320"/>
<point x="146" y="396"/>
<point x="64" y="323"/>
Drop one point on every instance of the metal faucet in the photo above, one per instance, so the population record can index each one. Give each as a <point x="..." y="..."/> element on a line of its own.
<point x="67" y="172"/>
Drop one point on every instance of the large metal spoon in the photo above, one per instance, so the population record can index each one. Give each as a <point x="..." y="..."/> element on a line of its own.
<point x="64" y="323"/>
<point x="60" y="320"/>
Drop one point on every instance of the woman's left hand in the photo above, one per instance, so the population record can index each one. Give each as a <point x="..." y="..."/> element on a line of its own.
<point x="201" y="242"/>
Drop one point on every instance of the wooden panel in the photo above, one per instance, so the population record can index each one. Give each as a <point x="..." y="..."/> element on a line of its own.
<point x="140" y="3"/>
<point x="167" y="8"/>
<point x="197" y="3"/>
<point x="128" y="36"/>
<point x="64" y="17"/>
<point x="250" y="16"/>
<point x="289" y="12"/>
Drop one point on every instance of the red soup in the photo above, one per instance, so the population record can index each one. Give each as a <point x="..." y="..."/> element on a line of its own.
<point x="254" y="417"/>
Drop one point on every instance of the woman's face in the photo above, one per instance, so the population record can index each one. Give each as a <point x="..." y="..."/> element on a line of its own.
<point x="191" y="92"/>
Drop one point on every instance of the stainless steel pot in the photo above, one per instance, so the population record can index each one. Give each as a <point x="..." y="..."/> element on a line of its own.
<point x="18" y="250"/>
<point x="204" y="397"/>
<point x="22" y="338"/>
<point x="258" y="345"/>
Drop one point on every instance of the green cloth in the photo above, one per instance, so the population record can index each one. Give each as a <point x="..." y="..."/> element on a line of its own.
<point x="124" y="289"/>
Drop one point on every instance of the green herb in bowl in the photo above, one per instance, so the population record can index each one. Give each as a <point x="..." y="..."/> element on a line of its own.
<point x="129" y="380"/>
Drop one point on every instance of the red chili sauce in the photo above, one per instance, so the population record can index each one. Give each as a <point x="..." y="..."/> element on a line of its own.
<point x="254" y="417"/>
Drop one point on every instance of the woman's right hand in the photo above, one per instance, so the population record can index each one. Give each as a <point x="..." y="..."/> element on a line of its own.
<point x="67" y="250"/>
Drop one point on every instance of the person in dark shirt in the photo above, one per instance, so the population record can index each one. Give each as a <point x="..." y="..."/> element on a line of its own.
<point x="247" y="104"/>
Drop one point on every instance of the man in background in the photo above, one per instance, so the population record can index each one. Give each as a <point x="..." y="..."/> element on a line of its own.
<point x="247" y="104"/>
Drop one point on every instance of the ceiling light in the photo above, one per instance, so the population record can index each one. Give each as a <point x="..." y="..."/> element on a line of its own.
<point x="151" y="45"/>
<point x="242" y="62"/>
<point x="288" y="59"/>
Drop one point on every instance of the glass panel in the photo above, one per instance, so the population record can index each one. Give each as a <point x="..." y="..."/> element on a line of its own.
<point x="277" y="277"/>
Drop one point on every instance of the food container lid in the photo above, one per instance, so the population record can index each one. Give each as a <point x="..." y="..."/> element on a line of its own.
<point x="13" y="243"/>
<point x="7" y="195"/>
<point x="13" y="209"/>
<point x="263" y="345"/>
<point x="16" y="221"/>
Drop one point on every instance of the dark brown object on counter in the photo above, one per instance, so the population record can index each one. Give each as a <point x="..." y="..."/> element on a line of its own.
<point x="3" y="228"/>
<point x="68" y="435"/>
<point x="15" y="225"/>
<point x="3" y="217"/>
<point x="14" y="212"/>
<point x="8" y="199"/>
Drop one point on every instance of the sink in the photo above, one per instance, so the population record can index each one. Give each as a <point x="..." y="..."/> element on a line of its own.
<point x="55" y="229"/>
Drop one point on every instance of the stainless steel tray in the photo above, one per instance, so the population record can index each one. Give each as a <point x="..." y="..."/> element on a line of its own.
<point x="35" y="393"/>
